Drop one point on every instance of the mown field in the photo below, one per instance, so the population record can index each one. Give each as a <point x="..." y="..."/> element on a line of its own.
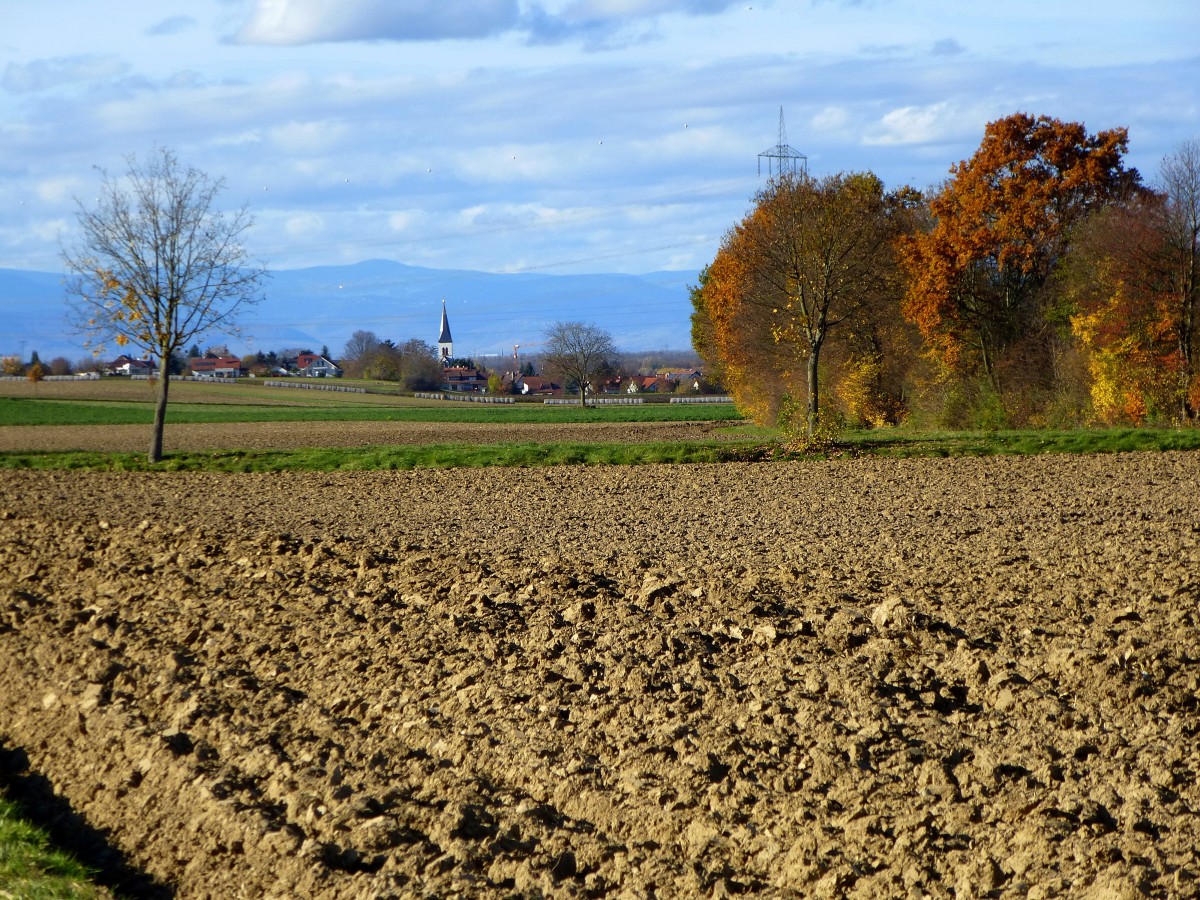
<point x="115" y="401"/>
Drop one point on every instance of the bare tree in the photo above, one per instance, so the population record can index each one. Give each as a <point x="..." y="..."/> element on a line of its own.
<point x="577" y="354"/>
<point x="1180" y="177"/>
<point x="358" y="352"/>
<point x="157" y="264"/>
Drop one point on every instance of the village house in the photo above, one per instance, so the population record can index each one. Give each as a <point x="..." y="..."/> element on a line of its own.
<point x="691" y="378"/>
<point x="649" y="384"/>
<point x="463" y="378"/>
<point x="528" y="385"/>
<point x="127" y="365"/>
<point x="215" y="366"/>
<point x="313" y="365"/>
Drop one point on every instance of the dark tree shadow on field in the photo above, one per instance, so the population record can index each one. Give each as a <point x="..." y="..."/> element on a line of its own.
<point x="35" y="798"/>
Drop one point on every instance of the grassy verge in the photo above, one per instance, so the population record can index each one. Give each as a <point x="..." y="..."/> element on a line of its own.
<point x="432" y="456"/>
<point x="23" y="411"/>
<point x="444" y="456"/>
<point x="30" y="868"/>
<point x="899" y="443"/>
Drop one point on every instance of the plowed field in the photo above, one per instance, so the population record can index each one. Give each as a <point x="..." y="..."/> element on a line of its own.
<point x="862" y="678"/>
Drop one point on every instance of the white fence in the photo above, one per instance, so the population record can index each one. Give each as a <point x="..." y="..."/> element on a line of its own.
<point x="464" y="397"/>
<point x="207" y="379"/>
<point x="319" y="385"/>
<point x="705" y="398"/>
<point x="596" y="401"/>
<point x="82" y="376"/>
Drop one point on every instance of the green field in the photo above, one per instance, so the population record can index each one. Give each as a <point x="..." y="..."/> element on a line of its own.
<point x="337" y="408"/>
<point x="858" y="444"/>
<point x="121" y="402"/>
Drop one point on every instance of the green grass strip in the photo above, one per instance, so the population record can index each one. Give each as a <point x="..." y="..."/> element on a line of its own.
<point x="1021" y="443"/>
<point x="31" y="868"/>
<point x="21" y="411"/>
<point x="432" y="456"/>
<point x="447" y="456"/>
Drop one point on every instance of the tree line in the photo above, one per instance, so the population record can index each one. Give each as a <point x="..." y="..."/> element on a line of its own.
<point x="1042" y="283"/>
<point x="414" y="364"/>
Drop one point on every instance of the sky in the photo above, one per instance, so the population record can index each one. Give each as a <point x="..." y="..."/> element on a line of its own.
<point x="557" y="136"/>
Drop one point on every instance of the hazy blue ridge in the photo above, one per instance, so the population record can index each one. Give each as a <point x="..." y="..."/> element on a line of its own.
<point x="324" y="305"/>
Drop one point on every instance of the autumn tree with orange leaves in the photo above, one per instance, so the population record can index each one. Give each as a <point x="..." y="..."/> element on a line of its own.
<point x="811" y="259"/>
<point x="731" y="332"/>
<point x="976" y="279"/>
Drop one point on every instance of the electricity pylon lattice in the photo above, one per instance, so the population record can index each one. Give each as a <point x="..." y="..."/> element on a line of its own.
<point x="783" y="159"/>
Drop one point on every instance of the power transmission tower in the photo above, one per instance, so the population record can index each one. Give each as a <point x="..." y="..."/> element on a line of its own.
<point x="783" y="159"/>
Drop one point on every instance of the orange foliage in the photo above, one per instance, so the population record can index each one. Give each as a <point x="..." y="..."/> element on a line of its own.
<point x="1000" y="224"/>
<point x="814" y="256"/>
<point x="737" y="341"/>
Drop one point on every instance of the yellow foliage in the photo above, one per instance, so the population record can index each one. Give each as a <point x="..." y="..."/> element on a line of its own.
<point x="1106" y="393"/>
<point x="859" y="391"/>
<point x="1129" y="373"/>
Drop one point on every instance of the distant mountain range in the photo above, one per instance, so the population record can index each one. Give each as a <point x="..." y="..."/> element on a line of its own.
<point x="324" y="305"/>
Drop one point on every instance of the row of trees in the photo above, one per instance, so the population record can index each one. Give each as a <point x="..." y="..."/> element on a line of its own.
<point x="59" y="365"/>
<point x="414" y="364"/>
<point x="1043" y="282"/>
<point x="574" y="352"/>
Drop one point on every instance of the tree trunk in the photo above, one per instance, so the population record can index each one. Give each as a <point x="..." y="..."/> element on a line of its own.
<point x="814" y="398"/>
<point x="988" y="371"/>
<point x="1187" y="339"/>
<point x="160" y="408"/>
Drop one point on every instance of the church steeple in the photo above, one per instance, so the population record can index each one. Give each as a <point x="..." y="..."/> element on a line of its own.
<point x="445" y="342"/>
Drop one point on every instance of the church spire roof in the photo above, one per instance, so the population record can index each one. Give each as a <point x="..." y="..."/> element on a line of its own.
<point x="444" y="337"/>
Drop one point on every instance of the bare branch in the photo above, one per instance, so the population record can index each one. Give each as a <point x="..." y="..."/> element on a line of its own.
<point x="157" y="264"/>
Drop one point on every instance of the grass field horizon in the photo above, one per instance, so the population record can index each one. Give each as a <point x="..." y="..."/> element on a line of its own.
<point x="113" y="401"/>
<point x="120" y="402"/>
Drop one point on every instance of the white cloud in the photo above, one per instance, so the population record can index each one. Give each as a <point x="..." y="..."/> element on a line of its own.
<point x="173" y="25"/>
<point x="304" y="225"/>
<point x="237" y="138"/>
<point x="914" y="125"/>
<point x="581" y="10"/>
<point x="58" y="190"/>
<point x="402" y="221"/>
<point x="504" y="216"/>
<point x="598" y="23"/>
<point x="307" y="137"/>
<point x="831" y="119"/>
<point x="292" y="22"/>
<point x="507" y="163"/>
<point x="50" y="230"/>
